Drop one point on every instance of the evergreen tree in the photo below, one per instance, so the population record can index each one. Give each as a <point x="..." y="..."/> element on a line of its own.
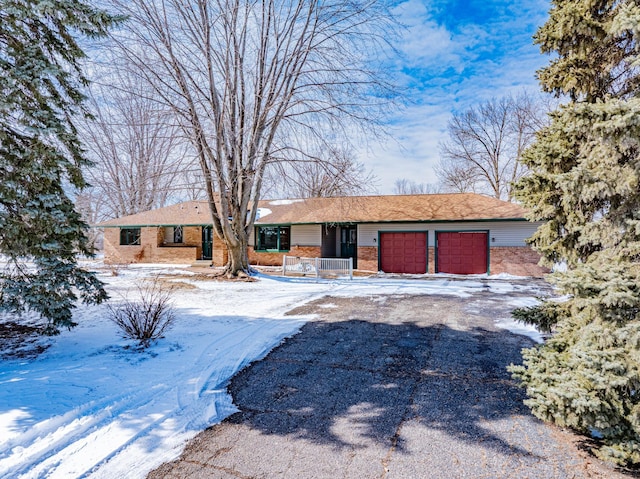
<point x="41" y="157"/>
<point x="585" y="183"/>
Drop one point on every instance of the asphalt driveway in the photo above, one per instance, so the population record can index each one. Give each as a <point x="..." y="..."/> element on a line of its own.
<point x="387" y="387"/>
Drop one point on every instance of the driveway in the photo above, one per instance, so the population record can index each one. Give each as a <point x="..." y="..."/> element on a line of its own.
<point x="387" y="387"/>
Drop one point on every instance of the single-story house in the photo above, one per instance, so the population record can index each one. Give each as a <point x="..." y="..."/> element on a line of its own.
<point x="461" y="233"/>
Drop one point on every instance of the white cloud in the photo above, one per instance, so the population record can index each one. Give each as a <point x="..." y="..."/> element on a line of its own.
<point x="424" y="43"/>
<point x="451" y="70"/>
<point x="413" y="148"/>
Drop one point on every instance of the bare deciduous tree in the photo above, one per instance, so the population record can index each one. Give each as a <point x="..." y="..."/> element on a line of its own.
<point x="457" y="177"/>
<point x="90" y="203"/>
<point x="244" y="76"/>
<point x="191" y="185"/>
<point x="137" y="149"/>
<point x="404" y="186"/>
<point x="332" y="172"/>
<point x="485" y="146"/>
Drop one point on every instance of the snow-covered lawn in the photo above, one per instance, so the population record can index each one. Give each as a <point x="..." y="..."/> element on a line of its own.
<point x="91" y="405"/>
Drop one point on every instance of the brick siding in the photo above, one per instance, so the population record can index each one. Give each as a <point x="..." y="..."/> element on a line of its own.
<point x="431" y="260"/>
<point x="265" y="258"/>
<point x="153" y="248"/>
<point x="367" y="258"/>
<point x="519" y="261"/>
<point x="219" y="253"/>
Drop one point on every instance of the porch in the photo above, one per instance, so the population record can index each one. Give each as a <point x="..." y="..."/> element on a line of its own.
<point x="333" y="241"/>
<point x="340" y="241"/>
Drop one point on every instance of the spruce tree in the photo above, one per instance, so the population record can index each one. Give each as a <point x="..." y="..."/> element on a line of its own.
<point x="41" y="157"/>
<point x="585" y="184"/>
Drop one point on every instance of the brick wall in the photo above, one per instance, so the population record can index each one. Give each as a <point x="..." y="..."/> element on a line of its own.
<point x="113" y="253"/>
<point x="367" y="258"/>
<point x="152" y="248"/>
<point x="219" y="252"/>
<point x="264" y="258"/>
<point x="431" y="260"/>
<point x="192" y="236"/>
<point x="116" y="253"/>
<point x="519" y="261"/>
<point x="172" y="254"/>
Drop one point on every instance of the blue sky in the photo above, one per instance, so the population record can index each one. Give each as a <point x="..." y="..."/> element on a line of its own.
<point x="456" y="53"/>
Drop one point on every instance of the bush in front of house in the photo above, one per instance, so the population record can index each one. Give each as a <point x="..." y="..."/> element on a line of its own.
<point x="147" y="318"/>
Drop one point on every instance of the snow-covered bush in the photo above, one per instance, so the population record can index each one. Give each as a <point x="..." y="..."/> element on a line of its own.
<point x="146" y="318"/>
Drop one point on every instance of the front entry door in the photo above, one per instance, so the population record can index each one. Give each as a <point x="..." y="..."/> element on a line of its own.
<point x="349" y="243"/>
<point x="207" y="242"/>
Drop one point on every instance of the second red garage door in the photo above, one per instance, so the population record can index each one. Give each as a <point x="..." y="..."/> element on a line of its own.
<point x="461" y="253"/>
<point x="403" y="252"/>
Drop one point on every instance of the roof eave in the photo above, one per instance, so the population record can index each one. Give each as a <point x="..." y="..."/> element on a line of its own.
<point x="338" y="222"/>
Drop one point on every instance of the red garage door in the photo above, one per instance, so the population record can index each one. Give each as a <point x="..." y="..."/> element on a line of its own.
<point x="461" y="253"/>
<point x="403" y="252"/>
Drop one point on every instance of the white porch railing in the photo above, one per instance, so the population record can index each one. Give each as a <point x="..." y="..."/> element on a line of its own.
<point x="317" y="266"/>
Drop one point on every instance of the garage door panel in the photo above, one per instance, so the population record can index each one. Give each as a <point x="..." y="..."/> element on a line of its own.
<point x="462" y="253"/>
<point x="403" y="252"/>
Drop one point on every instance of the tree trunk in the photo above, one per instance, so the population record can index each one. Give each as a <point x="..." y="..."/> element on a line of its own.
<point x="238" y="258"/>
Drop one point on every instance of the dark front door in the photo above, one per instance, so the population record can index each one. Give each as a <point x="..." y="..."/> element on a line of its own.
<point x="329" y="243"/>
<point x="349" y="243"/>
<point x="207" y="242"/>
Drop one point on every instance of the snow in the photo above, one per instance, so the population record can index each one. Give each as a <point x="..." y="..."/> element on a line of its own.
<point x="93" y="406"/>
<point x="262" y="212"/>
<point x="284" y="202"/>
<point x="519" y="328"/>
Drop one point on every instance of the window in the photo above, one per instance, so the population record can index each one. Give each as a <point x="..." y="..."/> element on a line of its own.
<point x="177" y="234"/>
<point x="129" y="236"/>
<point x="273" y="238"/>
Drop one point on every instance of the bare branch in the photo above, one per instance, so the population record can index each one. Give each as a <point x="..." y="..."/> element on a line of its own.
<point x="404" y="186"/>
<point x="486" y="143"/>
<point x="244" y="77"/>
<point x="331" y="172"/>
<point x="136" y="147"/>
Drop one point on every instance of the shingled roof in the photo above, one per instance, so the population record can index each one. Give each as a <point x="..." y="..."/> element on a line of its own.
<point x="353" y="209"/>
<point x="187" y="213"/>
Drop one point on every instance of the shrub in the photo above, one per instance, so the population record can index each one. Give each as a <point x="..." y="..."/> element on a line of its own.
<point x="147" y="318"/>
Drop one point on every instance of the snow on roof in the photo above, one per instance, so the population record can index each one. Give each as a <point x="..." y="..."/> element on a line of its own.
<point x="262" y="212"/>
<point x="284" y="202"/>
